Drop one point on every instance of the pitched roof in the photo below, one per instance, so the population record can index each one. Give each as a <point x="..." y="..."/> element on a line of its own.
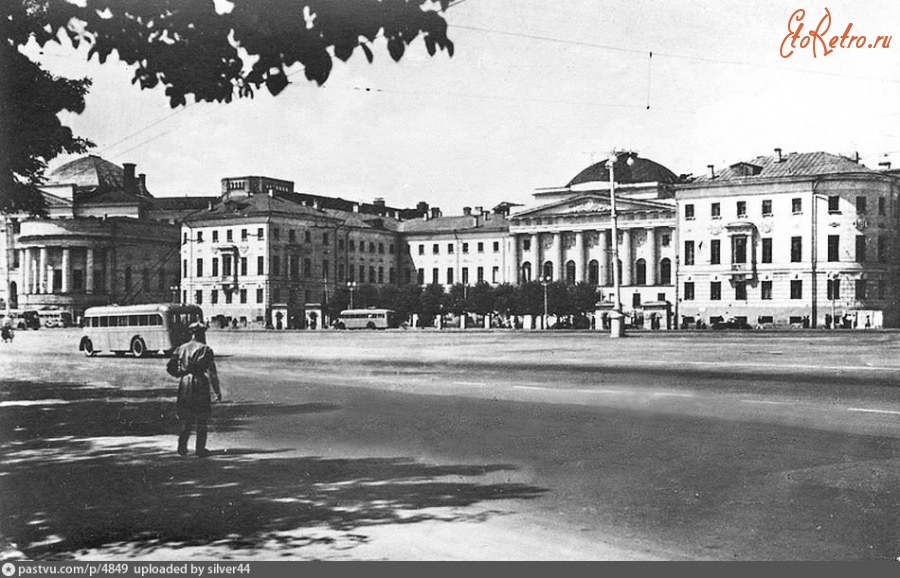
<point x="468" y="223"/>
<point x="88" y="172"/>
<point x="791" y="165"/>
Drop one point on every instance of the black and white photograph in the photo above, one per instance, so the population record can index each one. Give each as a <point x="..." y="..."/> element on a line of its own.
<point x="448" y="280"/>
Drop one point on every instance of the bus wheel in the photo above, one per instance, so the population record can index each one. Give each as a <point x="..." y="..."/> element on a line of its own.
<point x="370" y="325"/>
<point x="88" y="347"/>
<point x="341" y="325"/>
<point x="138" y="347"/>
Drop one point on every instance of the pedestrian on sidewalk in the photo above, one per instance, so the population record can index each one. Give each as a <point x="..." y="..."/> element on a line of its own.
<point x="194" y="364"/>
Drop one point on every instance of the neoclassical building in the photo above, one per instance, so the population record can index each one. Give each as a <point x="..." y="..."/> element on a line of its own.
<point x="808" y="239"/>
<point x="105" y="240"/>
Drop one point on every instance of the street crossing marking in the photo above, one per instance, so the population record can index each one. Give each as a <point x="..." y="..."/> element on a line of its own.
<point x="865" y="410"/>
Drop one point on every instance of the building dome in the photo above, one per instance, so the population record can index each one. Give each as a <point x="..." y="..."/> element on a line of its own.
<point x="88" y="172"/>
<point x="640" y="171"/>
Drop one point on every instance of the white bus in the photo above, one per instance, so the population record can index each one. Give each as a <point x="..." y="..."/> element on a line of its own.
<point x="367" y="319"/>
<point x="140" y="329"/>
<point x="55" y="318"/>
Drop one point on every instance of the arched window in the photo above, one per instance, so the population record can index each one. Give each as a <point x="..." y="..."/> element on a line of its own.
<point x="570" y="272"/>
<point x="594" y="272"/>
<point x="526" y="272"/>
<point x="665" y="272"/>
<point x="13" y="295"/>
<point x="640" y="272"/>
<point x="548" y="271"/>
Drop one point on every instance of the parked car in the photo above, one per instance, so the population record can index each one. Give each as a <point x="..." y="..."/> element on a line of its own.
<point x="731" y="324"/>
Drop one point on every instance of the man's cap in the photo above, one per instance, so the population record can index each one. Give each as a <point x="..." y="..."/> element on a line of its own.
<point x="196" y="327"/>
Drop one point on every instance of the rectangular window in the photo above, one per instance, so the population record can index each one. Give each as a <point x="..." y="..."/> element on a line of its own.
<point x="307" y="267"/>
<point x="526" y="244"/>
<point x="243" y="234"/>
<point x="435" y="249"/>
<point x="243" y="266"/>
<point x="340" y="272"/>
<point x="796" y="249"/>
<point x="325" y="270"/>
<point x="465" y="247"/>
<point x="740" y="290"/>
<point x="228" y="235"/>
<point x="391" y="248"/>
<point x="882" y="249"/>
<point x="199" y="236"/>
<point x="184" y="268"/>
<point x="243" y="295"/>
<point x="765" y="291"/>
<point x="449" y="248"/>
<point x="715" y="210"/>
<point x="362" y="273"/>
<point x="796" y="289"/>
<point x="834" y="204"/>
<point x="434" y="276"/>
<point x="449" y="275"/>
<point x="480" y="247"/>
<point x="496" y="246"/>
<point x="636" y="300"/>
<point x="834" y="246"/>
<point x="797" y="206"/>
<point x="340" y="244"/>
<point x="198" y="297"/>
<point x="715" y="291"/>
<point x="860" y="204"/>
<point x="307" y="236"/>
<point x="276" y="233"/>
<point x="276" y="265"/>
<point x="481" y="274"/>
<point x="226" y="264"/>
<point x="665" y="239"/>
<point x="689" y="291"/>
<point x="294" y="262"/>
<point x="199" y="267"/>
<point x="260" y="265"/>
<point x="860" y="248"/>
<point x="742" y="209"/>
<point x="465" y="275"/>
<point x="215" y="236"/>
<point x="421" y="249"/>
<point x="259" y="295"/>
<point x="688" y="252"/>
<point x="715" y="252"/>
<point x="495" y="275"/>
<point x="767" y="208"/>
<point x="882" y="206"/>
<point x="381" y="248"/>
<point x="228" y="297"/>
<point x="292" y="236"/>
<point x="767" y="250"/>
<point x="689" y="212"/>
<point x="215" y="267"/>
<point x="860" y="289"/>
<point x="833" y="289"/>
<point x="420" y="277"/>
<point x="259" y="234"/>
<point x="214" y="296"/>
<point x="739" y="249"/>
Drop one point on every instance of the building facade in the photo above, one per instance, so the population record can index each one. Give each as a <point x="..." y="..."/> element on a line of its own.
<point x="804" y="239"/>
<point x="105" y="240"/>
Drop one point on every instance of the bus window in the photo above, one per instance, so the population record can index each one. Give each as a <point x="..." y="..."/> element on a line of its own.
<point x="156" y="320"/>
<point x="104" y="321"/>
<point x="133" y="320"/>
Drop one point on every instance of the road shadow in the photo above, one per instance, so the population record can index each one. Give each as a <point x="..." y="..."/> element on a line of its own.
<point x="92" y="469"/>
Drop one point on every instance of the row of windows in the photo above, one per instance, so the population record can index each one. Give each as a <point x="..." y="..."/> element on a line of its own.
<point x="593" y="270"/>
<point x="123" y="320"/>
<point x="739" y="246"/>
<point x="833" y="290"/>
<point x="465" y="280"/>
<point x="229" y="296"/>
<point x="715" y="208"/>
<point x="292" y="238"/>
<point x="451" y="247"/>
<point x="664" y="240"/>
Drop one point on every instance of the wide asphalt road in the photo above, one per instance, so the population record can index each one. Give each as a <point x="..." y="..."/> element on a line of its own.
<point x="462" y="445"/>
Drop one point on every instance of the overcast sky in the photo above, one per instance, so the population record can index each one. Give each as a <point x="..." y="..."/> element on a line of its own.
<point x="535" y="91"/>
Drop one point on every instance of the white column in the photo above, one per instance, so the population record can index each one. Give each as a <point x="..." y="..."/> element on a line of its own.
<point x="516" y="261"/>
<point x="652" y="256"/>
<point x="625" y="256"/>
<point x="538" y="270"/>
<point x="580" y="260"/>
<point x="42" y="271"/>
<point x="603" y="259"/>
<point x="558" y="239"/>
<point x="66" y="269"/>
<point x="24" y="277"/>
<point x="89" y="270"/>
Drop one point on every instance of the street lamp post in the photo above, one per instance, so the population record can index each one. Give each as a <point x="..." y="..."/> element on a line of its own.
<point x="616" y="324"/>
<point x="351" y="285"/>
<point x="545" y="281"/>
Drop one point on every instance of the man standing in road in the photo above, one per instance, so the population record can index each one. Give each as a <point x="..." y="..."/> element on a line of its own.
<point x="194" y="364"/>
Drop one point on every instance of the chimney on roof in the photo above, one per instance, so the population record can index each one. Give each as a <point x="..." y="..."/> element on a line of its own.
<point x="142" y="182"/>
<point x="479" y="210"/>
<point x="712" y="170"/>
<point x="778" y="158"/>
<point x="467" y="211"/>
<point x="856" y="157"/>
<point x="378" y="202"/>
<point x="355" y="207"/>
<point x="886" y="165"/>
<point x="128" y="180"/>
<point x="435" y="212"/>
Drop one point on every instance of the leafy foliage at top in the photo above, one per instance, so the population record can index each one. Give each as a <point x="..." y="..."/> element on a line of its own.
<point x="186" y="46"/>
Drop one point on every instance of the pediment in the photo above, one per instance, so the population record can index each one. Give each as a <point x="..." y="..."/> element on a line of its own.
<point x="587" y="205"/>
